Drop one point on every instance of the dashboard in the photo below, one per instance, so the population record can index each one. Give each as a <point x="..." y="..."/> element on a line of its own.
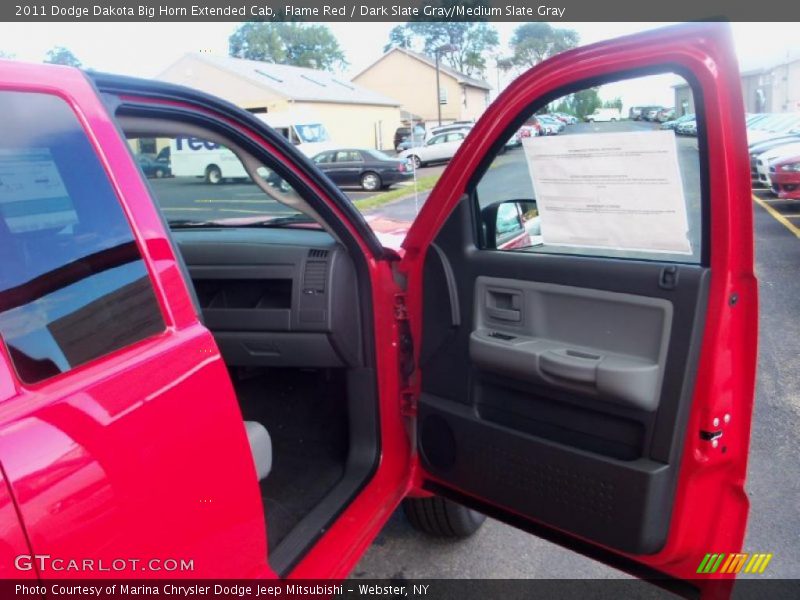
<point x="275" y="297"/>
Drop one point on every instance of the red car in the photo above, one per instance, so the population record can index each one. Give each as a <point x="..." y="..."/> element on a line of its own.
<point x="785" y="177"/>
<point x="254" y="399"/>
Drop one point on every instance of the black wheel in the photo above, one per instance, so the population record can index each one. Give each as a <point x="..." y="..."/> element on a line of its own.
<point x="442" y="518"/>
<point x="159" y="173"/>
<point x="371" y="182"/>
<point x="417" y="162"/>
<point x="213" y="175"/>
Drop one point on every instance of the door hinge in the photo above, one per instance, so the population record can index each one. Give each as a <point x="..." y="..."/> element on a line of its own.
<point x="406" y="356"/>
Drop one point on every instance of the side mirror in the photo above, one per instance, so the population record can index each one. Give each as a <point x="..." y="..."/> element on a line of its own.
<point x="511" y="224"/>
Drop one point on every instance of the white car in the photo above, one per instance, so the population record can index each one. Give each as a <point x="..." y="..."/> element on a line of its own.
<point x="604" y="115"/>
<point x="439" y="148"/>
<point x="765" y="158"/>
<point x="772" y="125"/>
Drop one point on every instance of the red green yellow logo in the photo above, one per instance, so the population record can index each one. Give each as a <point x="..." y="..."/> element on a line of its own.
<point x="734" y="563"/>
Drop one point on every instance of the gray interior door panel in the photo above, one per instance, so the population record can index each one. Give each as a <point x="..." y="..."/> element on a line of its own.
<point x="606" y="346"/>
<point x="561" y="393"/>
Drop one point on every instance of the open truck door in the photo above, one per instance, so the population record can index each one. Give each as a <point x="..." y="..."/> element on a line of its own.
<point x="596" y="387"/>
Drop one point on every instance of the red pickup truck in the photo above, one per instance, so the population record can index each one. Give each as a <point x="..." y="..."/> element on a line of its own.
<point x="255" y="396"/>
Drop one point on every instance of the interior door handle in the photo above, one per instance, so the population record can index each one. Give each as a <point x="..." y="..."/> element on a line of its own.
<point x="580" y="369"/>
<point x="504" y="314"/>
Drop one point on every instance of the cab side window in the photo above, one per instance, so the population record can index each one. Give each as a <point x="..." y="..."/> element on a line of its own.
<point x="73" y="285"/>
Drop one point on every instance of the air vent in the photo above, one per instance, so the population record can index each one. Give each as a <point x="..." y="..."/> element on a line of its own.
<point x="316" y="272"/>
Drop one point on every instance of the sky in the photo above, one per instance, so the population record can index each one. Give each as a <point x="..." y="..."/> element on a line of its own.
<point x="146" y="49"/>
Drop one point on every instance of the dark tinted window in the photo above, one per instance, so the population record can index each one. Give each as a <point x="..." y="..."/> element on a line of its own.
<point x="73" y="285"/>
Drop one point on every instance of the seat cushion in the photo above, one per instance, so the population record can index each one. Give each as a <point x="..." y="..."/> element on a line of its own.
<point x="260" y="446"/>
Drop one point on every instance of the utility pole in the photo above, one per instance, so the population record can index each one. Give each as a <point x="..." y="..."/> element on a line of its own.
<point x="437" y="52"/>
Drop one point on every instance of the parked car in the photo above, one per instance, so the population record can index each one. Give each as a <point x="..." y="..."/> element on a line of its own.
<point x="688" y="127"/>
<point x="526" y="131"/>
<point x="369" y="169"/>
<point x="402" y="134"/>
<point x="757" y="149"/>
<point x="765" y="160"/>
<point x="463" y="126"/>
<point x="550" y="125"/>
<point x="567" y="119"/>
<point x="772" y="125"/>
<point x="154" y="167"/>
<point x="675" y="122"/>
<point x="651" y="113"/>
<point x="604" y="115"/>
<point x="664" y="115"/>
<point x="149" y="375"/>
<point x="411" y="141"/>
<point x="640" y="113"/>
<point x="785" y="177"/>
<point x="439" y="148"/>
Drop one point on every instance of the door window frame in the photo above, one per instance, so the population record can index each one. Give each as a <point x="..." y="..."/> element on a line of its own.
<point x="479" y="235"/>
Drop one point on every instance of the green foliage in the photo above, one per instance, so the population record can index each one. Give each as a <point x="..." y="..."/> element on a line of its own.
<point x="470" y="42"/>
<point x="564" y="106"/>
<point x="4" y="54"/>
<point x="615" y="103"/>
<point x="531" y="43"/>
<point x="581" y="103"/>
<point x="59" y="55"/>
<point x="399" y="37"/>
<point x="288" y="43"/>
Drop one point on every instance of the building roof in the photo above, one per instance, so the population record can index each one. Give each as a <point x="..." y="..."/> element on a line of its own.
<point x="297" y="83"/>
<point x="460" y="77"/>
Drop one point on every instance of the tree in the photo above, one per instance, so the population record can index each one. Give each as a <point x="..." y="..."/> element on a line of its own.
<point x="585" y="102"/>
<point x="4" y="54"/>
<point x="531" y="43"/>
<point x="615" y="103"/>
<point x="288" y="43"/>
<point x="59" y="55"/>
<point x="399" y="37"/>
<point x="471" y="42"/>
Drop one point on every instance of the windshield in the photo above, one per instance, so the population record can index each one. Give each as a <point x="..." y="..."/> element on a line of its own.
<point x="201" y="183"/>
<point x="312" y="132"/>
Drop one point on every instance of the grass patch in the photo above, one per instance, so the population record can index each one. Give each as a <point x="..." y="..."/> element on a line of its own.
<point x="423" y="185"/>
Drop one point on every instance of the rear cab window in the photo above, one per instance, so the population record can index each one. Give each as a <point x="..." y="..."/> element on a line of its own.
<point x="73" y="284"/>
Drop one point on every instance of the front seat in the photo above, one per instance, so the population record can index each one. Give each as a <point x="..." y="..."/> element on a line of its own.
<point x="260" y="446"/>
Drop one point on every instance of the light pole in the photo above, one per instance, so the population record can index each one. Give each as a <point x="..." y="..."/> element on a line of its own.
<point x="437" y="52"/>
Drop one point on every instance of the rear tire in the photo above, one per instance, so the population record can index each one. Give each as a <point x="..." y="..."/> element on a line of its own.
<point x="371" y="182"/>
<point x="416" y="160"/>
<point x="213" y="175"/>
<point x="442" y="518"/>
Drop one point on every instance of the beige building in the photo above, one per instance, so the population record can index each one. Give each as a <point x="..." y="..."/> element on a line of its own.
<point x="775" y="89"/>
<point x="353" y="115"/>
<point x="411" y="78"/>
